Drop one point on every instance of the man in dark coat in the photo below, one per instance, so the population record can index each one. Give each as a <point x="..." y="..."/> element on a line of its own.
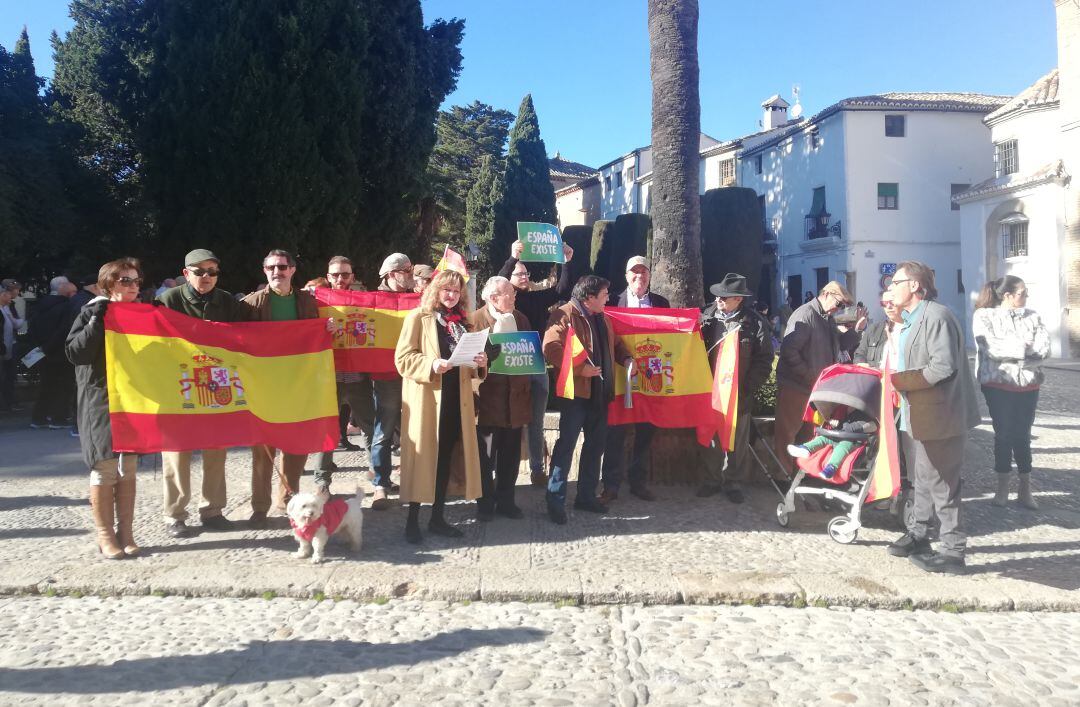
<point x="636" y="294"/>
<point x="48" y="330"/>
<point x="731" y="312"/>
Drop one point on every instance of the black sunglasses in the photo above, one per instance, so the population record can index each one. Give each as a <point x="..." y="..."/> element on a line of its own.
<point x="129" y="281"/>
<point x="211" y="272"/>
<point x="277" y="266"/>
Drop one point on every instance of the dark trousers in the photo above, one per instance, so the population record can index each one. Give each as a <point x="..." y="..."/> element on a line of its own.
<point x="56" y="394"/>
<point x="356" y="401"/>
<point x="578" y="415"/>
<point x="387" y="417"/>
<point x="615" y="455"/>
<point x="500" y="455"/>
<point x="7" y="383"/>
<point x="935" y="467"/>
<point x="1013" y="413"/>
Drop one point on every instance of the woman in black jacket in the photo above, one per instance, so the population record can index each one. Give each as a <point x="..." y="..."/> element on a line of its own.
<point x="112" y="475"/>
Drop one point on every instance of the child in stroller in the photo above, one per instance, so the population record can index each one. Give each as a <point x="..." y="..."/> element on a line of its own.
<point x="845" y="419"/>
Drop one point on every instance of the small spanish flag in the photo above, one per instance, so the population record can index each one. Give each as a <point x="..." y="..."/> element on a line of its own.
<point x="885" y="474"/>
<point x="453" y="260"/>
<point x="725" y="393"/>
<point x="574" y="354"/>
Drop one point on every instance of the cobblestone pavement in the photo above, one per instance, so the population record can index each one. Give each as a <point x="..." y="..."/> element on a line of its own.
<point x="147" y="650"/>
<point x="680" y="549"/>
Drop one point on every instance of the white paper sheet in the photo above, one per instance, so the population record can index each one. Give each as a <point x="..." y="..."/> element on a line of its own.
<point x="470" y="344"/>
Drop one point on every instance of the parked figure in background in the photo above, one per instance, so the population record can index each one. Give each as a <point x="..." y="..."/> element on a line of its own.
<point x="1012" y="342"/>
<point x="503" y="407"/>
<point x="48" y="330"/>
<point x="636" y="294"/>
<point x="200" y="297"/>
<point x="811" y="343"/>
<point x="731" y="311"/>
<point x="438" y="416"/>
<point x="535" y="305"/>
<point x="112" y="475"/>
<point x="279" y="302"/>
<point x="594" y="388"/>
<point x="354" y="390"/>
<point x="937" y="409"/>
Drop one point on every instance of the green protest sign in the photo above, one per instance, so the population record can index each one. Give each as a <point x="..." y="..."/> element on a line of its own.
<point x="543" y="244"/>
<point x="519" y="353"/>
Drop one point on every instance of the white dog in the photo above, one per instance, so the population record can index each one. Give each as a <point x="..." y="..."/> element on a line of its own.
<point x="315" y="519"/>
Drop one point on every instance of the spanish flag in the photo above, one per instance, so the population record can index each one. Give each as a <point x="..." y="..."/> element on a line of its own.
<point x="179" y="383"/>
<point x="885" y="473"/>
<point x="670" y="387"/>
<point x="370" y="326"/>
<point x="725" y="389"/>
<point x="453" y="260"/>
<point x="574" y="354"/>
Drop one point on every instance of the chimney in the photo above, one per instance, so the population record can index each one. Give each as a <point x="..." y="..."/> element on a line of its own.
<point x="775" y="112"/>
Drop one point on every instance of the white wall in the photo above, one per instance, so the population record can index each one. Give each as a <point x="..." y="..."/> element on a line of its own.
<point x="709" y="175"/>
<point x="1038" y="138"/>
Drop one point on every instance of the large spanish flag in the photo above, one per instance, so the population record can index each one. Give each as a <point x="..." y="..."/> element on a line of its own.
<point x="370" y="326"/>
<point x="671" y="385"/>
<point x="574" y="354"/>
<point x="725" y="389"/>
<point x="885" y="473"/>
<point x="179" y="383"/>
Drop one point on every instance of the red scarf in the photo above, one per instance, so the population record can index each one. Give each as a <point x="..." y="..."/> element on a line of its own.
<point x="331" y="517"/>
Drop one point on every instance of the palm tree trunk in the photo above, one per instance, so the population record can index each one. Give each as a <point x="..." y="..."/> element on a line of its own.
<point x="676" y="126"/>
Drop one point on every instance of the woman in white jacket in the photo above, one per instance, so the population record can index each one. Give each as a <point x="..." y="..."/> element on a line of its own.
<point x="1012" y="343"/>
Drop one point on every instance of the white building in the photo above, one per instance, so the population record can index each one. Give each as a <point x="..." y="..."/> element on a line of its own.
<point x="867" y="183"/>
<point x="576" y="201"/>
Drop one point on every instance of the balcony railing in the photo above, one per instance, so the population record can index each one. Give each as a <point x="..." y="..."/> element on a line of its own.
<point x="820" y="226"/>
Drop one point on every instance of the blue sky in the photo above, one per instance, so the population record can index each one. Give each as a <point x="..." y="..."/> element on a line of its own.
<point x="586" y="62"/>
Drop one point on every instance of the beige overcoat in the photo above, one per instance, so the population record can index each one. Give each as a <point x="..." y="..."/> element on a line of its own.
<point x="421" y="395"/>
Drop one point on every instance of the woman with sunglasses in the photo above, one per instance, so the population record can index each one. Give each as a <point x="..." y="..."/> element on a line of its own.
<point x="112" y="474"/>
<point x="1012" y="342"/>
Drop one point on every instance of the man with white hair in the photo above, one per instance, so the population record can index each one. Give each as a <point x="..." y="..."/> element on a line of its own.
<point x="48" y="330"/>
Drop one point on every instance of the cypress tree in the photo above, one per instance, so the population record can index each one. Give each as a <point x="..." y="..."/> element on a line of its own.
<point x="527" y="191"/>
<point x="481" y="206"/>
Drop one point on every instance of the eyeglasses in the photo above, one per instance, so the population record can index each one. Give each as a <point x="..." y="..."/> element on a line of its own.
<point x="277" y="266"/>
<point x="897" y="282"/>
<point x="524" y="273"/>
<point x="402" y="270"/>
<point x="209" y="272"/>
<point x="129" y="281"/>
<point x="886" y="304"/>
<point x="339" y="274"/>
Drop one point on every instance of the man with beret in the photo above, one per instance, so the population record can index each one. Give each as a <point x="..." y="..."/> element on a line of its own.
<point x="732" y="313"/>
<point x="636" y="294"/>
<point x="199" y="296"/>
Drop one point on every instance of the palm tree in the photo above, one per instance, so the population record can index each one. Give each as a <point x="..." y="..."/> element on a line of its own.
<point x="676" y="126"/>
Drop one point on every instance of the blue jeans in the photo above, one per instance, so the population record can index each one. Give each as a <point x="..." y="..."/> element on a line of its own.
<point x="615" y="455"/>
<point x="387" y="416"/>
<point x="578" y="415"/>
<point x="539" y="390"/>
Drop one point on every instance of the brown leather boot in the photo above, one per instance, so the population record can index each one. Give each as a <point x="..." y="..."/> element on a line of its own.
<point x="102" y="500"/>
<point x="125" y="514"/>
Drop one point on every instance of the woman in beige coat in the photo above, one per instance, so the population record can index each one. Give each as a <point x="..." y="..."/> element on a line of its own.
<point x="437" y="414"/>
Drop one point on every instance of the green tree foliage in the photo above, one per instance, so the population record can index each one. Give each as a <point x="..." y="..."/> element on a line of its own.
<point x="527" y="191"/>
<point x="243" y="125"/>
<point x="481" y="206"/>
<point x="731" y="229"/>
<point x="464" y="136"/>
<point x="603" y="238"/>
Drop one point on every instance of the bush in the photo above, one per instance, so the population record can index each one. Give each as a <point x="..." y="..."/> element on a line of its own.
<point x="765" y="398"/>
<point x="580" y="239"/>
<point x="603" y="237"/>
<point x="731" y="233"/>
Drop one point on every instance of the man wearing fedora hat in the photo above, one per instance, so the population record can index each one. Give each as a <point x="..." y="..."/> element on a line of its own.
<point x="636" y="294"/>
<point x="732" y="313"/>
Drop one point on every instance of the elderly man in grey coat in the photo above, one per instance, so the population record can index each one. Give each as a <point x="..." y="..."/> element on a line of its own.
<point x="937" y="409"/>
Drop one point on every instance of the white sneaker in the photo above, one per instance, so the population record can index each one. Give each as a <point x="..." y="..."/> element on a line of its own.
<point x="798" y="451"/>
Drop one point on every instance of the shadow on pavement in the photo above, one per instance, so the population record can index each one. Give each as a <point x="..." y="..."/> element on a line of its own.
<point x="256" y="662"/>
<point x="16" y="502"/>
<point x="24" y="533"/>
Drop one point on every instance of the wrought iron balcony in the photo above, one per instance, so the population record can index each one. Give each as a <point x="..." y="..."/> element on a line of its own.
<point x="820" y="227"/>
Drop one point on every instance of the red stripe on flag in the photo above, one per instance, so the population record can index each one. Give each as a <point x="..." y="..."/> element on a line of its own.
<point x="667" y="412"/>
<point x="266" y="339"/>
<point x="652" y="320"/>
<point x="144" y="433"/>
<point x="378" y="362"/>
<point x="376" y="299"/>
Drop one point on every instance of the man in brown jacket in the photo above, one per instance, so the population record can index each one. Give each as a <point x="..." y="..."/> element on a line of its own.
<point x="594" y="388"/>
<point x="278" y="302"/>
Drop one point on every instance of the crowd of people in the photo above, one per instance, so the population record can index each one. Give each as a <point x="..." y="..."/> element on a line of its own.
<point x="467" y="418"/>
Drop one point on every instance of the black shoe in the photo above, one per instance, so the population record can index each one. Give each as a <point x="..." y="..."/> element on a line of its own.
<point x="590" y="506"/>
<point x="344" y="445"/>
<point x="412" y="534"/>
<point x="557" y="514"/>
<point x="907" y="545"/>
<point x="643" y="493"/>
<point x="220" y="524"/>
<point x="485" y="515"/>
<point x="708" y="490"/>
<point x="734" y="494"/>
<point x="509" y="511"/>
<point x="178" y="529"/>
<point x="939" y="562"/>
<point x="257" y="521"/>
<point x="441" y="527"/>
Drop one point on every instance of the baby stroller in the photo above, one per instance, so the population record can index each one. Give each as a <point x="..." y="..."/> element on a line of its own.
<point x="840" y="387"/>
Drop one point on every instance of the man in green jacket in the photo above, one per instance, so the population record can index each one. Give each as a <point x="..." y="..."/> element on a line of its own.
<point x="199" y="297"/>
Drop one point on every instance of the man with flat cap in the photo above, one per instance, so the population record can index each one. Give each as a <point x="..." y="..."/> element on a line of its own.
<point x="732" y="313"/>
<point x="636" y="294"/>
<point x="199" y="296"/>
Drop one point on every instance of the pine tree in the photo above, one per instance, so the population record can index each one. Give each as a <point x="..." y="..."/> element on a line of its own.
<point x="481" y="206"/>
<point x="527" y="192"/>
